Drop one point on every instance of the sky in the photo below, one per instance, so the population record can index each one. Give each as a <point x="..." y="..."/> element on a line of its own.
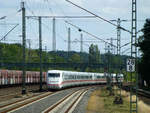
<point x="108" y="9"/>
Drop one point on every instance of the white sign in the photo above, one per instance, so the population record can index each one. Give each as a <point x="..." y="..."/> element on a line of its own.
<point x="130" y="65"/>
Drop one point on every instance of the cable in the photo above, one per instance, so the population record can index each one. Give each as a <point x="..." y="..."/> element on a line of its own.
<point x="90" y="34"/>
<point x="50" y="9"/>
<point x="98" y="16"/>
<point x="9" y="32"/>
<point x="30" y="9"/>
<point x="10" y="15"/>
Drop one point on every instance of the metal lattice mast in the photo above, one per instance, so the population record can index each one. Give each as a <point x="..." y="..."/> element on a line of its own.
<point x="69" y="40"/>
<point x="118" y="36"/>
<point x="29" y="51"/>
<point x="133" y="101"/>
<point x="54" y="35"/>
<point x="81" y="45"/>
<point x="119" y="50"/>
<point x="40" y="49"/>
<point x="23" y="48"/>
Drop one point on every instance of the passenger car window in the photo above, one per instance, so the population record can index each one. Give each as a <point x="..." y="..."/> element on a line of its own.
<point x="54" y="75"/>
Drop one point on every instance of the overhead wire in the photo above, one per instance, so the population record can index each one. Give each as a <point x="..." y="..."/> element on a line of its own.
<point x="97" y="16"/>
<point x="48" y="5"/>
<point x="10" y="15"/>
<point x="63" y="14"/>
<point x="90" y="34"/>
<point x="61" y="10"/>
<point x="8" y="32"/>
<point x="49" y="10"/>
<point x="30" y="10"/>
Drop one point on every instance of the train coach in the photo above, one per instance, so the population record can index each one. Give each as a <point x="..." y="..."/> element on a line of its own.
<point x="57" y="79"/>
<point x="14" y="77"/>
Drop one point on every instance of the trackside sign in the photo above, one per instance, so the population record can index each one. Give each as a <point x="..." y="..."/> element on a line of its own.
<point x="130" y="65"/>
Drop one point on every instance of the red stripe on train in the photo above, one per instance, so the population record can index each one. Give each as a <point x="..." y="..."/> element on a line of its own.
<point x="76" y="81"/>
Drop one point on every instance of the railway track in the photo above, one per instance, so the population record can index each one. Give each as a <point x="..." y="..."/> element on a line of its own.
<point x="144" y="93"/>
<point x="17" y="104"/>
<point x="10" y="95"/>
<point x="66" y="103"/>
<point x="12" y="92"/>
<point x="141" y="92"/>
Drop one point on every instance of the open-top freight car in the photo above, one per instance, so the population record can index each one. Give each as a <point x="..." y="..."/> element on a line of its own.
<point x="14" y="77"/>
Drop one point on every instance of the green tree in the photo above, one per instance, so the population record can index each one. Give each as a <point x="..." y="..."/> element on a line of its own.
<point x="75" y="58"/>
<point x="94" y="54"/>
<point x="10" y="52"/>
<point x="144" y="44"/>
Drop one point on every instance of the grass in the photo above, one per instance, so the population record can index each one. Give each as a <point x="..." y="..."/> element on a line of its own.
<point x="143" y="108"/>
<point x="101" y="102"/>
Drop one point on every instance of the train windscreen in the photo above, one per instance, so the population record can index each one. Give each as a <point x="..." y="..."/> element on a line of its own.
<point x="54" y="75"/>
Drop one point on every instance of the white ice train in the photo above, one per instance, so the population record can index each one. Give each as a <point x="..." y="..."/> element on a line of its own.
<point x="57" y="79"/>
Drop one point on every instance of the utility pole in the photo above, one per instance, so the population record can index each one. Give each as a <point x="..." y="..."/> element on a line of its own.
<point x="133" y="101"/>
<point x="108" y="67"/>
<point x="87" y="33"/>
<point x="46" y="54"/>
<point x="69" y="39"/>
<point x="46" y="58"/>
<point x="29" y="51"/>
<point x="119" y="33"/>
<point x="81" y="45"/>
<point x="118" y="100"/>
<point x="118" y="36"/>
<point x="54" y="35"/>
<point x="109" y="76"/>
<point x="23" y="48"/>
<point x="111" y="43"/>
<point x="111" y="49"/>
<point x="69" y="43"/>
<point x="40" y="49"/>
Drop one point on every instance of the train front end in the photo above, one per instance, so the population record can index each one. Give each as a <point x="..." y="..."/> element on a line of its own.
<point x="54" y="79"/>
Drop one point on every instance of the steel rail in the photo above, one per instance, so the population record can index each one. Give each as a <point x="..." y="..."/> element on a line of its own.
<point x="62" y="100"/>
<point x="23" y="102"/>
<point x="74" y="102"/>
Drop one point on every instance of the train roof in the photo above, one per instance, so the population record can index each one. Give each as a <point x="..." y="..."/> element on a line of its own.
<point x="61" y="71"/>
